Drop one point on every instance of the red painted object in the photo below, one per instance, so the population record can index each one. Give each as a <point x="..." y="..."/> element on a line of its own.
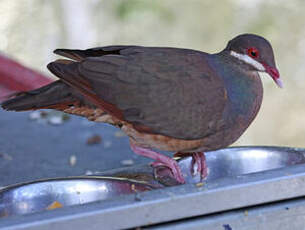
<point x="15" y="77"/>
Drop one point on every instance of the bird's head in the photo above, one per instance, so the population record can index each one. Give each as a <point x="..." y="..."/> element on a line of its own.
<point x="256" y="52"/>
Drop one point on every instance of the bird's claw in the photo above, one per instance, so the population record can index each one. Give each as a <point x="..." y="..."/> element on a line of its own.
<point x="199" y="165"/>
<point x="173" y="167"/>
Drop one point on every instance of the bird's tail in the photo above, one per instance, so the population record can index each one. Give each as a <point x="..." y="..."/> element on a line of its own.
<point x="52" y="96"/>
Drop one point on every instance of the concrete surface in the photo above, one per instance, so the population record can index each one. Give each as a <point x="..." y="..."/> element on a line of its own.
<point x="31" y="149"/>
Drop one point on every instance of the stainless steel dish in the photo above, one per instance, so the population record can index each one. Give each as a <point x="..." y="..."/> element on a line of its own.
<point x="61" y="192"/>
<point x="244" y="160"/>
<point x="54" y="193"/>
<point x="234" y="161"/>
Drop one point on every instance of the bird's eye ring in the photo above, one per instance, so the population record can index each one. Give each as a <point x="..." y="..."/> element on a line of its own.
<point x="253" y="52"/>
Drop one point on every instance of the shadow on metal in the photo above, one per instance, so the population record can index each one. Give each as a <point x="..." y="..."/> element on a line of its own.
<point x="54" y="193"/>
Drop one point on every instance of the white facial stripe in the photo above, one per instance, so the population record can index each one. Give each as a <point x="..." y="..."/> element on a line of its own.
<point x="249" y="60"/>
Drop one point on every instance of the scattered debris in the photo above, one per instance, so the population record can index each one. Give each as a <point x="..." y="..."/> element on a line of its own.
<point x="127" y="162"/>
<point x="94" y="140"/>
<point x="107" y="144"/>
<point x="50" y="117"/>
<point x="200" y="184"/>
<point x="72" y="160"/>
<point x="55" y="120"/>
<point x="133" y="188"/>
<point x="35" y="115"/>
<point x="54" y="205"/>
<point x="119" y="134"/>
<point x="89" y="172"/>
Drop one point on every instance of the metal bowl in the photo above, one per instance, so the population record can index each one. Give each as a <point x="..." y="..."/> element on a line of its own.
<point x="227" y="162"/>
<point x="54" y="193"/>
<point x="61" y="192"/>
<point x="237" y="161"/>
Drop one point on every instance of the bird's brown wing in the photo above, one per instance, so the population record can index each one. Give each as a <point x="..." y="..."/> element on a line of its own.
<point x="165" y="91"/>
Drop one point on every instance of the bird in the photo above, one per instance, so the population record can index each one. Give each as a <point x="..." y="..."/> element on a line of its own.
<point x="165" y="99"/>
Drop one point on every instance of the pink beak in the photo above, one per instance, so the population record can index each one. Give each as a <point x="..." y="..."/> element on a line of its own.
<point x="274" y="73"/>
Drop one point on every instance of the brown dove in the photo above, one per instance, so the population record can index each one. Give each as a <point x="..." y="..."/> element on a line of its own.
<point x="171" y="99"/>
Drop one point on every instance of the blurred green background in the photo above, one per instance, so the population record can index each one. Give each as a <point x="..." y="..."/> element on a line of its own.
<point x="31" y="29"/>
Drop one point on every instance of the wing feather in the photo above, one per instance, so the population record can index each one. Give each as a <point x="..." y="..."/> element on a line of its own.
<point x="166" y="91"/>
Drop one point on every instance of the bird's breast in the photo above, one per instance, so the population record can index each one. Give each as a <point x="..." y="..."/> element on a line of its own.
<point x="244" y="97"/>
<point x="244" y="101"/>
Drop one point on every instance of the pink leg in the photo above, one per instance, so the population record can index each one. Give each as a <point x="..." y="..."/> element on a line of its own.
<point x="161" y="160"/>
<point x="196" y="161"/>
<point x="199" y="160"/>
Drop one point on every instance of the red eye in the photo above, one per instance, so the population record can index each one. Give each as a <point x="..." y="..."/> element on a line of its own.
<point x="253" y="52"/>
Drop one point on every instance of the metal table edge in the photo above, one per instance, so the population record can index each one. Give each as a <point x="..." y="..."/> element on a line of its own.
<point x="171" y="203"/>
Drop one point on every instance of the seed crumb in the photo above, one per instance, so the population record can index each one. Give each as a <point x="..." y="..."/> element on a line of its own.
<point x="119" y="134"/>
<point x="198" y="185"/>
<point x="133" y="188"/>
<point x="127" y="162"/>
<point x="94" y="140"/>
<point x="72" y="160"/>
<point x="89" y="172"/>
<point x="55" y="120"/>
<point x="54" y="205"/>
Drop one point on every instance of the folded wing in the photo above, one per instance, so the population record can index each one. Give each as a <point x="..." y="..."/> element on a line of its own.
<point x="165" y="91"/>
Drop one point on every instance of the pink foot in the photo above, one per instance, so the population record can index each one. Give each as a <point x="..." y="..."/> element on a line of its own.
<point x="160" y="160"/>
<point x="199" y="160"/>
